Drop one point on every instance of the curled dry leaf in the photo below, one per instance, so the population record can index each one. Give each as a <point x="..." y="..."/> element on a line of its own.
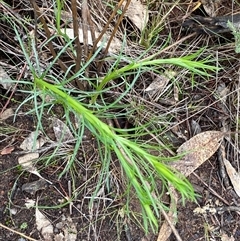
<point x="68" y="227"/>
<point x="197" y="150"/>
<point x="44" y="226"/>
<point x="234" y="176"/>
<point x="7" y="150"/>
<point x="33" y="187"/>
<point x="26" y="162"/>
<point x="5" y="79"/>
<point x="137" y="13"/>
<point x="160" y="82"/>
<point x="211" y="6"/>
<point x="166" y="230"/>
<point x="32" y="142"/>
<point x="6" y="114"/>
<point x="61" y="131"/>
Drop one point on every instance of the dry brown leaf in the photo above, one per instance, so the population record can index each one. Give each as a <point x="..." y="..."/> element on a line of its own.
<point x="197" y="150"/>
<point x="158" y="84"/>
<point x="61" y="131"/>
<point x="211" y="7"/>
<point x="137" y="13"/>
<point x="7" y="150"/>
<point x="26" y="162"/>
<point x="68" y="228"/>
<point x="234" y="176"/>
<point x="33" y="187"/>
<point x="6" y="114"/>
<point x="44" y="226"/>
<point x="224" y="237"/>
<point x="5" y="79"/>
<point x="166" y="230"/>
<point x="33" y="142"/>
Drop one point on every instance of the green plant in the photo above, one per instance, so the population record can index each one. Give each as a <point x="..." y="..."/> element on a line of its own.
<point x="156" y="25"/>
<point x="144" y="171"/>
<point x="24" y="226"/>
<point x="130" y="155"/>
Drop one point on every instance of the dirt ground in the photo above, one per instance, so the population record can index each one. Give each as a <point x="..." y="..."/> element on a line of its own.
<point x="104" y="219"/>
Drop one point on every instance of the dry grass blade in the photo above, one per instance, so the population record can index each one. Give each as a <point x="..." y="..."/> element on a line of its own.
<point x="120" y="18"/>
<point x="197" y="150"/>
<point x="38" y="14"/>
<point x="233" y="176"/>
<point x="105" y="29"/>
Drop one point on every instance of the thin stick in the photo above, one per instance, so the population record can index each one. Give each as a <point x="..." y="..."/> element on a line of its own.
<point x="170" y="218"/>
<point x="176" y="234"/>
<point x="14" y="231"/>
<point x="48" y="34"/>
<point x="211" y="190"/>
<point x="70" y="196"/>
<point x="105" y="28"/>
<point x="76" y="35"/>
